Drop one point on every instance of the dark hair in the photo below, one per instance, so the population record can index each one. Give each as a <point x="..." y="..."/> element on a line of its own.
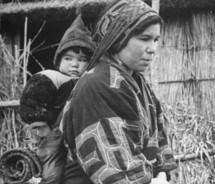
<point x="77" y="50"/>
<point x="118" y="46"/>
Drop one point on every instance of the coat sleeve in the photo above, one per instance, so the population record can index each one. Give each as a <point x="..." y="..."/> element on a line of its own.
<point x="107" y="132"/>
<point x="165" y="159"/>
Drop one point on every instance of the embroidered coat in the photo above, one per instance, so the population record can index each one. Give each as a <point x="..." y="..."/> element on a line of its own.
<point x="114" y="126"/>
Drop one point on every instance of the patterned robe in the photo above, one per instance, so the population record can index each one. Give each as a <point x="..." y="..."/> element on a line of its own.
<point x="113" y="125"/>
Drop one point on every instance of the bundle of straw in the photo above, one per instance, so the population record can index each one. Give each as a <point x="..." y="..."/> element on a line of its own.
<point x="13" y="71"/>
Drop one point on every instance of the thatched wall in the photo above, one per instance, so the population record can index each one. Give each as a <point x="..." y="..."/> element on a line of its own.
<point x="164" y="4"/>
<point x="185" y="67"/>
<point x="61" y="9"/>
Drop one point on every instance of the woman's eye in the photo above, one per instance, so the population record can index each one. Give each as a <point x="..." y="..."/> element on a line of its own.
<point x="156" y="39"/>
<point x="144" y="38"/>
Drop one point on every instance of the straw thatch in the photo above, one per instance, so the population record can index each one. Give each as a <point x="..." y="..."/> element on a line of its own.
<point x="29" y="7"/>
<point x="164" y="4"/>
<point x="185" y="69"/>
<point x="62" y="9"/>
<point x="186" y="4"/>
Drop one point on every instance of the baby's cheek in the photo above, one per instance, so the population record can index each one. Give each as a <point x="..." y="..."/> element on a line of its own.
<point x="43" y="132"/>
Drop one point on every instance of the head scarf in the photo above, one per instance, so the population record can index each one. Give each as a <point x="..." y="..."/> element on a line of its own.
<point x="119" y="19"/>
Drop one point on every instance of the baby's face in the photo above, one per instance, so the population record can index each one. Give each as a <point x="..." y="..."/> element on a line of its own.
<point x="39" y="129"/>
<point x="73" y="64"/>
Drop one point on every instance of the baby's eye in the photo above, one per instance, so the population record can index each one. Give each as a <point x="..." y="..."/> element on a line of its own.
<point x="68" y="58"/>
<point x="83" y="59"/>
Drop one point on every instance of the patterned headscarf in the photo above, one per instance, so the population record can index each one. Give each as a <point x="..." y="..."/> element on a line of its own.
<point x="120" y="19"/>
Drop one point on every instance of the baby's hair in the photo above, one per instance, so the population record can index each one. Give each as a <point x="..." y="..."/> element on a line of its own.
<point x="77" y="49"/>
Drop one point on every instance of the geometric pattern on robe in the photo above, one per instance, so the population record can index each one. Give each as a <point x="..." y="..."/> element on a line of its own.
<point x="113" y="124"/>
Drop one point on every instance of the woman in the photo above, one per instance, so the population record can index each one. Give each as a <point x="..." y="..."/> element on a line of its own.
<point x="113" y="123"/>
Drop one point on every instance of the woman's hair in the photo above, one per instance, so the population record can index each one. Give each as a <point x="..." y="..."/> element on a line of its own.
<point x="118" y="45"/>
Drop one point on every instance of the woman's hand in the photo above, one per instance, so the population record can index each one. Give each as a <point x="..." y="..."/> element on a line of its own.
<point x="160" y="179"/>
<point x="1" y="180"/>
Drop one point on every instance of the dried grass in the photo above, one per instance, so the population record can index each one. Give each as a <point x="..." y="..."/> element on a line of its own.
<point x="12" y="81"/>
<point x="190" y="133"/>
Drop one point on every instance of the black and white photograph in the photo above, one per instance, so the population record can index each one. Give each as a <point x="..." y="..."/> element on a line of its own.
<point x="107" y="91"/>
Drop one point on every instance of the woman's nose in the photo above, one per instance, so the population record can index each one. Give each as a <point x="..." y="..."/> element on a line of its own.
<point x="152" y="48"/>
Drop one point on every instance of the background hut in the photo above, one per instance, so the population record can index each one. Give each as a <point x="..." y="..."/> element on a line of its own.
<point x="182" y="76"/>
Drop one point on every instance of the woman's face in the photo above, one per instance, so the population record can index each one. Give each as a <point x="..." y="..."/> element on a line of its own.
<point x="140" y="49"/>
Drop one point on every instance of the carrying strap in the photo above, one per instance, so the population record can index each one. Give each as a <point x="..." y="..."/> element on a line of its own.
<point x="62" y="119"/>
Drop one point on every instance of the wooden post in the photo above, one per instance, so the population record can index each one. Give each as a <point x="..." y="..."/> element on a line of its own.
<point x="190" y="157"/>
<point x="0" y="27"/>
<point x="156" y="5"/>
<point x="25" y="53"/>
<point x="9" y="104"/>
